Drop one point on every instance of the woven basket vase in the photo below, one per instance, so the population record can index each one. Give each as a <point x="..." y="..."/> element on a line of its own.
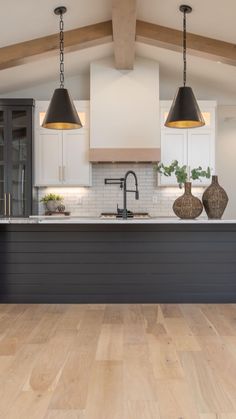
<point x="215" y="200"/>
<point x="187" y="206"/>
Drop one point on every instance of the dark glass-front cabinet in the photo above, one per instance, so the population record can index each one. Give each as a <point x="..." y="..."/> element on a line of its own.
<point x="16" y="120"/>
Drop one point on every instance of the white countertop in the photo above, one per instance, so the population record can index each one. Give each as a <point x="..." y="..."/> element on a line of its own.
<point x="89" y="220"/>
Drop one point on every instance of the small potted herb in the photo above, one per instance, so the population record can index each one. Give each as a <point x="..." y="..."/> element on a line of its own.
<point x="52" y="201"/>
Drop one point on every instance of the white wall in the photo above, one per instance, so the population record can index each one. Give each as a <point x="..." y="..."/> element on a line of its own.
<point x="204" y="89"/>
<point x="226" y="155"/>
<point x="78" y="87"/>
<point x="124" y="105"/>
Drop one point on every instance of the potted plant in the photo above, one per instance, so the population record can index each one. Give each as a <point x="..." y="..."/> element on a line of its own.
<point x="186" y="206"/>
<point x="52" y="201"/>
<point x="182" y="173"/>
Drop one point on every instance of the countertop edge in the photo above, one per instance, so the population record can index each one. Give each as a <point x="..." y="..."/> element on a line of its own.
<point x="68" y="221"/>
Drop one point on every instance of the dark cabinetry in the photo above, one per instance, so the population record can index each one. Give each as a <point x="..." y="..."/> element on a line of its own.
<point x="118" y="263"/>
<point x="16" y="119"/>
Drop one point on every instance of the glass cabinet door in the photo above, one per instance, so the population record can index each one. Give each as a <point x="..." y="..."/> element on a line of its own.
<point x="3" y="196"/>
<point x="19" y="198"/>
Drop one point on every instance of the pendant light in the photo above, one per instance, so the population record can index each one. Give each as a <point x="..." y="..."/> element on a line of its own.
<point x="184" y="112"/>
<point x="61" y="113"/>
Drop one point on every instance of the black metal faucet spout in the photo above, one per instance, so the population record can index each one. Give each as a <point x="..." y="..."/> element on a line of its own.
<point x="123" y="185"/>
<point x="125" y="190"/>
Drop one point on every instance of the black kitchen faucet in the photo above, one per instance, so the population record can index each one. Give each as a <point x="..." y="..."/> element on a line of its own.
<point x="123" y="185"/>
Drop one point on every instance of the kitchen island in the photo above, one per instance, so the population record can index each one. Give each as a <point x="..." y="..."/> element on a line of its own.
<point x="86" y="260"/>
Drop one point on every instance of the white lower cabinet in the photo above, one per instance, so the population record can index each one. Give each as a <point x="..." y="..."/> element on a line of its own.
<point x="62" y="157"/>
<point x="191" y="147"/>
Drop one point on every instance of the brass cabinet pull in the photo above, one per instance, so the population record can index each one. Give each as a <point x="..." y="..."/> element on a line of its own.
<point x="9" y="204"/>
<point x="5" y="204"/>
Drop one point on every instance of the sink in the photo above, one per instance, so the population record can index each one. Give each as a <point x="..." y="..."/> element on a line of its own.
<point x="134" y="215"/>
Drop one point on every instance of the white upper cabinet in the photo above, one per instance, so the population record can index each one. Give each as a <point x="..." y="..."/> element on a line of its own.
<point x="175" y="149"/>
<point x="61" y="157"/>
<point x="48" y="158"/>
<point x="192" y="147"/>
<point x="75" y="158"/>
<point x="201" y="152"/>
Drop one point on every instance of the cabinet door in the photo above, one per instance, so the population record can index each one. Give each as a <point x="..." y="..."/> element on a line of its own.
<point x="201" y="152"/>
<point x="173" y="147"/>
<point x="3" y="163"/>
<point x="56" y="164"/>
<point x="76" y="166"/>
<point x="48" y="157"/>
<point x="19" y="161"/>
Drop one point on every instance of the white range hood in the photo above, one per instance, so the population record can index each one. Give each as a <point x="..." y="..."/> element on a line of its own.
<point x="124" y="124"/>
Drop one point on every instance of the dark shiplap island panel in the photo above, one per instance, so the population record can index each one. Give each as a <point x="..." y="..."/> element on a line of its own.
<point x="111" y="263"/>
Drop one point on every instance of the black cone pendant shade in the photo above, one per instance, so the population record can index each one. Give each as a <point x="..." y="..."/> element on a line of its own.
<point x="61" y="113"/>
<point x="184" y="112"/>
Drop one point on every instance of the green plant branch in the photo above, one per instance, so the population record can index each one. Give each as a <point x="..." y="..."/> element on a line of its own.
<point x="181" y="173"/>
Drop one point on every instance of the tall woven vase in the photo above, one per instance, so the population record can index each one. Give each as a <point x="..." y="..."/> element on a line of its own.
<point x="187" y="206"/>
<point x="215" y="200"/>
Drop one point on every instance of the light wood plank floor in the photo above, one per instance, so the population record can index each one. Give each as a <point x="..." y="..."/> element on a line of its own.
<point x="118" y="361"/>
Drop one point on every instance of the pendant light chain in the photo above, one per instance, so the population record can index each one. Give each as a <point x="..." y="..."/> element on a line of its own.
<point x="184" y="49"/>
<point x="61" y="113"/>
<point x="184" y="112"/>
<point x="61" y="27"/>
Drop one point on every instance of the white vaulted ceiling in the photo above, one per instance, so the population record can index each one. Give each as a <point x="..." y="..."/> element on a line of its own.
<point x="28" y="19"/>
<point x="212" y="18"/>
<point x="22" y="20"/>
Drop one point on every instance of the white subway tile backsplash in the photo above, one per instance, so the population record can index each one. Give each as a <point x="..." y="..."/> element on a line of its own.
<point x="101" y="198"/>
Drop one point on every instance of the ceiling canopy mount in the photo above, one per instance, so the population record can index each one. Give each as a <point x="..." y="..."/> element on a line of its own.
<point x="184" y="8"/>
<point x="61" y="10"/>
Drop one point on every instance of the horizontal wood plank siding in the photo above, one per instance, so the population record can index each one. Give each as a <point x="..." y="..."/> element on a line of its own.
<point x="106" y="263"/>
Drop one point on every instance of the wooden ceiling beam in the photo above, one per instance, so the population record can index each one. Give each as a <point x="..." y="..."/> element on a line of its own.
<point x="75" y="39"/>
<point x="124" y="29"/>
<point x="197" y="45"/>
<point x="102" y="33"/>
